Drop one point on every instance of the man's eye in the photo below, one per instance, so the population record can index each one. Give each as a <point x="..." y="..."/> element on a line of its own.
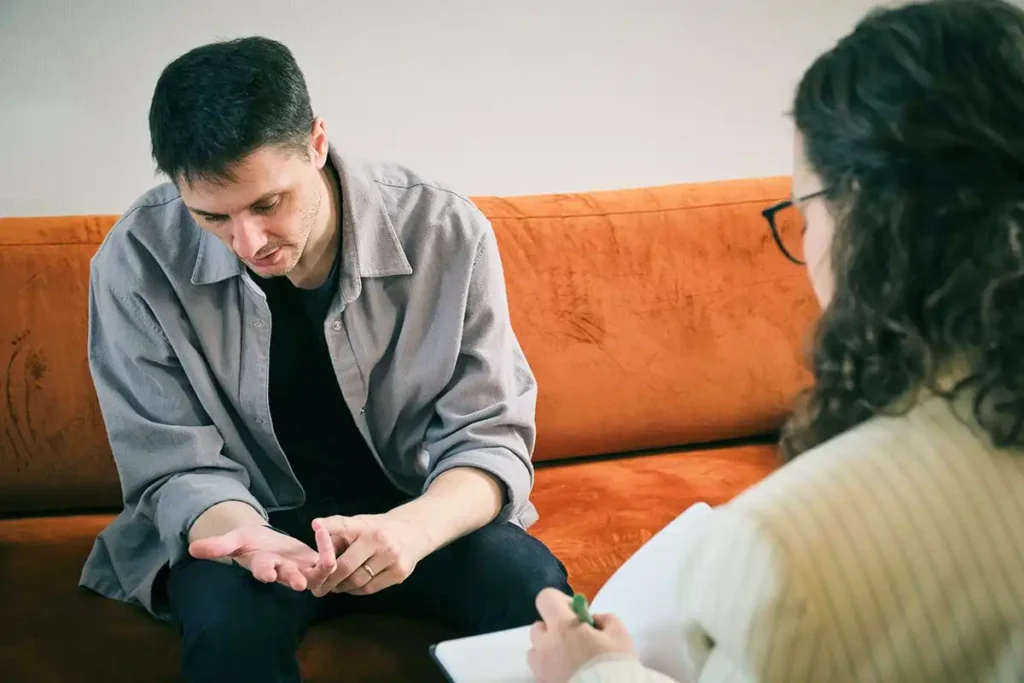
<point x="265" y="208"/>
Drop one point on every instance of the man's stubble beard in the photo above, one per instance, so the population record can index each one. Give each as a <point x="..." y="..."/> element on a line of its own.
<point x="309" y="217"/>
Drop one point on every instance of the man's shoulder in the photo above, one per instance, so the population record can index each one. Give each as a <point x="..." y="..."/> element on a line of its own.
<point x="398" y="181"/>
<point x="155" y="233"/>
<point x="416" y="201"/>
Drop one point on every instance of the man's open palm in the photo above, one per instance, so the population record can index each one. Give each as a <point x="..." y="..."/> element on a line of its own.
<point x="270" y="556"/>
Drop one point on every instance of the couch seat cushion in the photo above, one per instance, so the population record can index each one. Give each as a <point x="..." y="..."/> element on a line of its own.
<point x="593" y="516"/>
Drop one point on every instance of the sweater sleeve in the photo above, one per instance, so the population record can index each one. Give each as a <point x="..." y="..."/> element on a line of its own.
<point x="618" y="669"/>
<point x="744" y="614"/>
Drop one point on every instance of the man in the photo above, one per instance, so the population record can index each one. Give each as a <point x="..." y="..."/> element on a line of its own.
<point x="313" y="393"/>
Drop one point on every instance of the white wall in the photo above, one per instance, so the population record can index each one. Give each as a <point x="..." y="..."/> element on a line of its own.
<point x="511" y="97"/>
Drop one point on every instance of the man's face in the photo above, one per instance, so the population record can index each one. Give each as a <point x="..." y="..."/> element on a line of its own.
<point x="266" y="213"/>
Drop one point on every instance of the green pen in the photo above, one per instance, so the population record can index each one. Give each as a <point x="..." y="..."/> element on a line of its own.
<point x="582" y="610"/>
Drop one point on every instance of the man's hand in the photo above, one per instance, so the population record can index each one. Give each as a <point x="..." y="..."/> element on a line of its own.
<point x="561" y="645"/>
<point x="376" y="551"/>
<point x="268" y="555"/>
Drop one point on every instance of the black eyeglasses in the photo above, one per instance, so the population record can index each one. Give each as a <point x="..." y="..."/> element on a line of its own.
<point x="769" y="215"/>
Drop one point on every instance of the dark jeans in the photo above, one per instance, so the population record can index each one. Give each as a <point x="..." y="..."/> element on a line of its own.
<point x="235" y="628"/>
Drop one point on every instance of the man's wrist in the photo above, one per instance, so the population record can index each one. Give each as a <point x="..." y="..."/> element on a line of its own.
<point x="459" y="501"/>
<point x="223" y="518"/>
<point x="425" y="520"/>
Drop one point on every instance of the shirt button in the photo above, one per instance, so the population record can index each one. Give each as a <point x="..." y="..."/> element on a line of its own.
<point x="336" y="325"/>
<point x="257" y="323"/>
<point x="259" y="420"/>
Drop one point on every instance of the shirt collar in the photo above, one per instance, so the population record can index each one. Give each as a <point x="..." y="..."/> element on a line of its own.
<point x="370" y="247"/>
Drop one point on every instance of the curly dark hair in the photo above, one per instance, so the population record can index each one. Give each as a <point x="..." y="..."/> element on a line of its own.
<point x="915" y="124"/>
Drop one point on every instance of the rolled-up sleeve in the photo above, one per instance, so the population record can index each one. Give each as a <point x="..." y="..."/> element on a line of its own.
<point x="486" y="416"/>
<point x="167" y="451"/>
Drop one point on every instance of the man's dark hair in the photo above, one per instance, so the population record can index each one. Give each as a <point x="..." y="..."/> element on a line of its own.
<point x="218" y="103"/>
<point x="914" y="124"/>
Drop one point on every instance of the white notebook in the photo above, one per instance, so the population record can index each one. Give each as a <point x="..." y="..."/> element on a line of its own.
<point x="643" y="593"/>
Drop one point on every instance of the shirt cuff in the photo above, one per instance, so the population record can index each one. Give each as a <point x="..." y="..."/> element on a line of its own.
<point x="185" y="497"/>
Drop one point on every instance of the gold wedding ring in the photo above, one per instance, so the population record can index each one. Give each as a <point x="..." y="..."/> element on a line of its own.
<point x="369" y="571"/>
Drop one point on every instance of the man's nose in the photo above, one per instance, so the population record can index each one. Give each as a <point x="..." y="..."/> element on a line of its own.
<point x="247" y="238"/>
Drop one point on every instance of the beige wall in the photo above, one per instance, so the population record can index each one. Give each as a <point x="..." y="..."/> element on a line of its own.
<point x="509" y="97"/>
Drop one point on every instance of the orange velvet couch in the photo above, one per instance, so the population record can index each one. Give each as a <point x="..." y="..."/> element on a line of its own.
<point x="666" y="332"/>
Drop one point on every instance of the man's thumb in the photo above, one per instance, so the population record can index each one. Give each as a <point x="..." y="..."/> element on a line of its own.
<point x="216" y="547"/>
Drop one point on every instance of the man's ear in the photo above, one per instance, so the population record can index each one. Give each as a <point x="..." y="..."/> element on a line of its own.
<point x="318" y="142"/>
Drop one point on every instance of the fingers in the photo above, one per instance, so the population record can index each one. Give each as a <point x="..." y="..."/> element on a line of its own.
<point x="273" y="568"/>
<point x="343" y="530"/>
<point x="555" y="607"/>
<point x="288" y="574"/>
<point x="537" y="631"/>
<point x="325" y="548"/>
<point x="533" y="661"/>
<point x="326" y="562"/>
<point x="350" y="574"/>
<point x="613" y="628"/>
<point x="263" y="566"/>
<point x="609" y="622"/>
<point x="216" y="547"/>
<point x="385" y="579"/>
<point x="539" y="642"/>
<point x="348" y="564"/>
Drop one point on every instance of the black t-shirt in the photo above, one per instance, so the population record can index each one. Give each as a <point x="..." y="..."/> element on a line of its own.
<point x="311" y="420"/>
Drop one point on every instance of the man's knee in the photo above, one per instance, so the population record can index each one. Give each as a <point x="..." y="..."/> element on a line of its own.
<point x="233" y="625"/>
<point x="236" y="628"/>
<point x="526" y="567"/>
<point x="508" y="568"/>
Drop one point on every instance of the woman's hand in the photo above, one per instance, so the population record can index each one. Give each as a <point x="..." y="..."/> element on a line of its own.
<point x="561" y="644"/>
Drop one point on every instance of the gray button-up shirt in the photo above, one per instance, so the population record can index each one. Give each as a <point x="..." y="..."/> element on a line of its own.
<point x="179" y="349"/>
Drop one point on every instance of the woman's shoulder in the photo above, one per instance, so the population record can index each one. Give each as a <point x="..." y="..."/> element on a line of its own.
<point x="930" y="456"/>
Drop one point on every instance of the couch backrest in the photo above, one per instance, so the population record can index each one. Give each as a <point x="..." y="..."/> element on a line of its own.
<point x="652" y="318"/>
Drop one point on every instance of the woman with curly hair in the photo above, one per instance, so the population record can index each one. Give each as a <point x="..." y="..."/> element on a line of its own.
<point x="890" y="546"/>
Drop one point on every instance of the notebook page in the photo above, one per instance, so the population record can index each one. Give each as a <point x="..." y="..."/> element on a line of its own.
<point x="643" y="593"/>
<point x="490" y="658"/>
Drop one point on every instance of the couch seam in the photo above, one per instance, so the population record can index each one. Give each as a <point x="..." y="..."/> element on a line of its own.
<point x="634" y="213"/>
<point x="475" y="205"/>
